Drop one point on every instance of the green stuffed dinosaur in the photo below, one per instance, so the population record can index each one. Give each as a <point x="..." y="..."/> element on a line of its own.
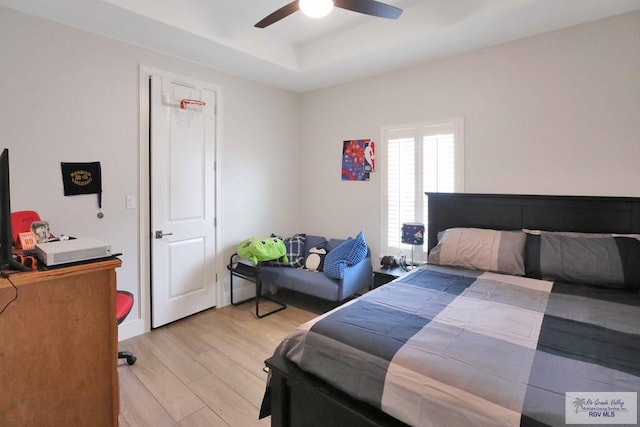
<point x="256" y="249"/>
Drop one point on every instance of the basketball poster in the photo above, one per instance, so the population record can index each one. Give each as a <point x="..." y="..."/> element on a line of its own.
<point x="358" y="159"/>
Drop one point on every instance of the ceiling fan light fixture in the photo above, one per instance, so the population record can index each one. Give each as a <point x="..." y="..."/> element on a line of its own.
<point x="316" y="8"/>
<point x="320" y="8"/>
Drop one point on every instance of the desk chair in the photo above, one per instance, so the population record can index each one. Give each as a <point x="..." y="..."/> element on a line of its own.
<point x="124" y="302"/>
<point x="21" y="222"/>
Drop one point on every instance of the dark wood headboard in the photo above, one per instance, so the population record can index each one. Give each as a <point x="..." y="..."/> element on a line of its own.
<point x="514" y="212"/>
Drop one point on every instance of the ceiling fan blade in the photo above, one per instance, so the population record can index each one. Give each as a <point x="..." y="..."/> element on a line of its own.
<point x="283" y="12"/>
<point x="370" y="7"/>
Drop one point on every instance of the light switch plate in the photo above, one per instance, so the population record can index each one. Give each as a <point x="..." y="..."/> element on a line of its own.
<point x="131" y="202"/>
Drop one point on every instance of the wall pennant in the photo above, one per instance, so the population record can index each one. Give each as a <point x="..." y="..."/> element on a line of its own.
<point x="82" y="178"/>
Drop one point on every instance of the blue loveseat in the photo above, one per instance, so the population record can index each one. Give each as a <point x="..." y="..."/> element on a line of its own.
<point x="318" y="284"/>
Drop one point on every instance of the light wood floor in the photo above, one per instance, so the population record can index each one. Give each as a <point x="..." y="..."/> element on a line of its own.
<point x="205" y="370"/>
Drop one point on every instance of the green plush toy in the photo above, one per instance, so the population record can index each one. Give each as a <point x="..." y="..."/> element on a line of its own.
<point x="256" y="249"/>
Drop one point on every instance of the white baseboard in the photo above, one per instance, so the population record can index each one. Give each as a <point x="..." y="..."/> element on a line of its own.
<point x="240" y="293"/>
<point x="131" y="329"/>
<point x="137" y="327"/>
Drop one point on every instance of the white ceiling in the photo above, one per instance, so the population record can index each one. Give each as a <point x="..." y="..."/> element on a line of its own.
<point x="302" y="54"/>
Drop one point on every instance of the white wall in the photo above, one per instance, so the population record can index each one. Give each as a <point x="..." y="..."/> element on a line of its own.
<point x="67" y="95"/>
<point x="553" y="114"/>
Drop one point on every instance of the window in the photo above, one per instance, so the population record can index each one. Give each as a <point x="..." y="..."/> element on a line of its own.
<point x="419" y="158"/>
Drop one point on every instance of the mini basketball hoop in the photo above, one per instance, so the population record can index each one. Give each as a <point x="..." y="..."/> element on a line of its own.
<point x="184" y="115"/>
<point x="192" y="104"/>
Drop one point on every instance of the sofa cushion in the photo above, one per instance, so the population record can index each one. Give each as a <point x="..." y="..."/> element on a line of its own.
<point x="313" y="241"/>
<point x="348" y="253"/>
<point x="334" y="243"/>
<point x="295" y="252"/>
<point x="299" y="280"/>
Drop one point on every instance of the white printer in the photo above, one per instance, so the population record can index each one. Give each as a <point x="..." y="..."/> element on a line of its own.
<point x="73" y="250"/>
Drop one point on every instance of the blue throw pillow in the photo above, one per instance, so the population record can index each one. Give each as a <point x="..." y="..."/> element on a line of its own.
<point x="350" y="252"/>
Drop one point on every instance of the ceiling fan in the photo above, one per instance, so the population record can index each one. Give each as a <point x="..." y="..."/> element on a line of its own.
<point x="319" y="8"/>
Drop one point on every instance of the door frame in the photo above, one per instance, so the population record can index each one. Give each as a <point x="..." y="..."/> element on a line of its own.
<point x="144" y="239"/>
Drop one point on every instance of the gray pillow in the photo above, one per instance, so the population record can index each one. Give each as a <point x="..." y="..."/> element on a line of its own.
<point x="481" y="249"/>
<point x="589" y="259"/>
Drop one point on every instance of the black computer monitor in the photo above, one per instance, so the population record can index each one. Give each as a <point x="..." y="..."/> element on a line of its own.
<point x="6" y="236"/>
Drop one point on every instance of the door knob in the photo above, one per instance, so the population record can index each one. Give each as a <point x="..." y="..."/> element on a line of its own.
<point x="160" y="234"/>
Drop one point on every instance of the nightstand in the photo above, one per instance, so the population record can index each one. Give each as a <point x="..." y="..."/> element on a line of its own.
<point x="385" y="275"/>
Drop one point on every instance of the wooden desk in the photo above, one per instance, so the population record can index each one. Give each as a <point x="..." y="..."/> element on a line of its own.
<point x="58" y="347"/>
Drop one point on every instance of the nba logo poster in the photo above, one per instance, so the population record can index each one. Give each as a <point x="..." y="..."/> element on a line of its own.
<point x="358" y="159"/>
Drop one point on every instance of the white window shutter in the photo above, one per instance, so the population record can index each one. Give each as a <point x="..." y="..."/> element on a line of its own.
<point x="421" y="158"/>
<point x="401" y="200"/>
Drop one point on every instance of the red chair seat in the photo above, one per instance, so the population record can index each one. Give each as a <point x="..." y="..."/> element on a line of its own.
<point x="124" y="302"/>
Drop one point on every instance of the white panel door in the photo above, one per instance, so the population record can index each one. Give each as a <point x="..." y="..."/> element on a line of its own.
<point x="182" y="201"/>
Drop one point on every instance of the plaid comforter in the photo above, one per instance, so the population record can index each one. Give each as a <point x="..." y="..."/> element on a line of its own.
<point x="444" y="346"/>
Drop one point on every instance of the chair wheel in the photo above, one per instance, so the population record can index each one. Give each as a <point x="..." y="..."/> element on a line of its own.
<point x="131" y="360"/>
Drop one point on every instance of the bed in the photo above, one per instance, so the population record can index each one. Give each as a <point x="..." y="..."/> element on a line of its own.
<point x="454" y="345"/>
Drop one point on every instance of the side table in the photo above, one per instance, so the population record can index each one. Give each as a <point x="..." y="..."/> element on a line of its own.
<point x="385" y="275"/>
<point x="248" y="272"/>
